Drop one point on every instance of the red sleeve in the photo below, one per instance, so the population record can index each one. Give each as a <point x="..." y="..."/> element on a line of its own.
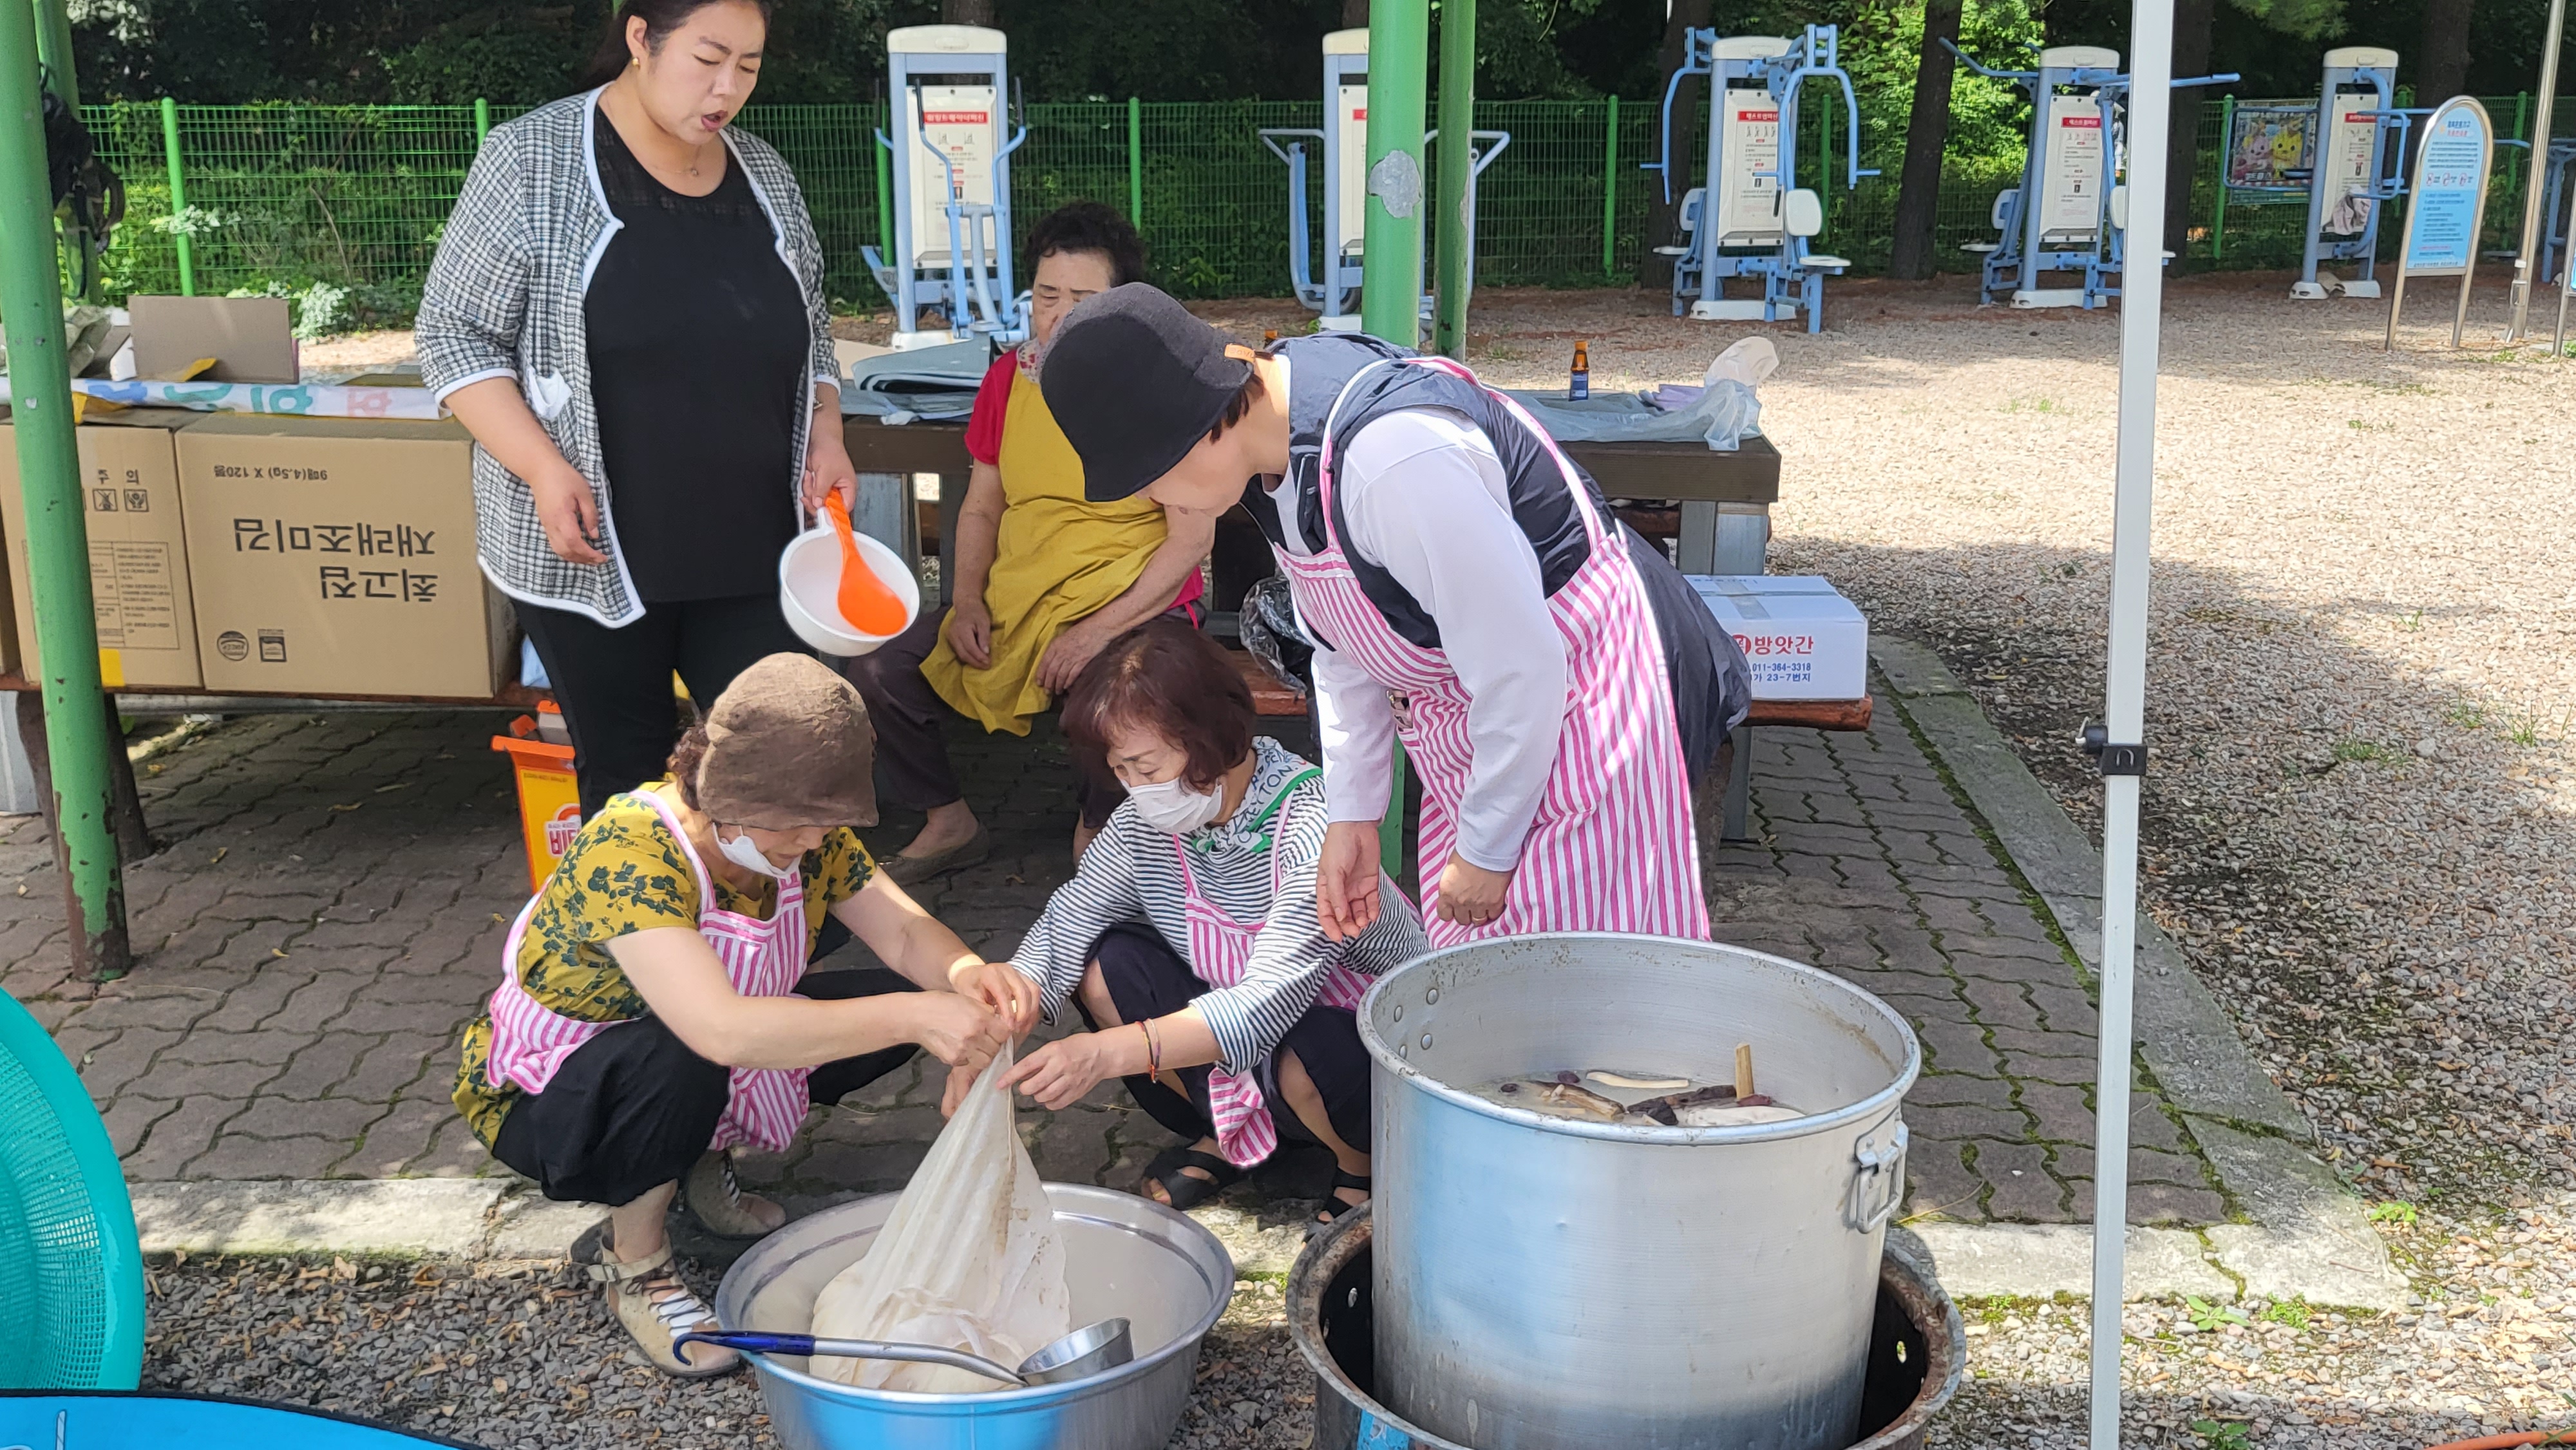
<point x="992" y="400"/>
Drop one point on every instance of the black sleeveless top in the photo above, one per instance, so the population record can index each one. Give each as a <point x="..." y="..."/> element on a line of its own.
<point x="1712" y="684"/>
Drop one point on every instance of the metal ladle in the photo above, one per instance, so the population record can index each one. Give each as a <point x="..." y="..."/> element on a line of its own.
<point x="1086" y="1351"/>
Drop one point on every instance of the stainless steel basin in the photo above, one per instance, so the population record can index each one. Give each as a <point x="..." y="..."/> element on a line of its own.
<point x="1125" y="1257"/>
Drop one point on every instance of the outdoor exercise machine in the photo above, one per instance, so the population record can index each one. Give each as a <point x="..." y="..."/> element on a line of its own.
<point x="1762" y="222"/>
<point x="2358" y="146"/>
<point x="2070" y="212"/>
<point x="1332" y="287"/>
<point x="951" y="193"/>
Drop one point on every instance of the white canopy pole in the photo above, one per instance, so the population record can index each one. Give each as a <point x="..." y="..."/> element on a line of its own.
<point x="2124" y="713"/>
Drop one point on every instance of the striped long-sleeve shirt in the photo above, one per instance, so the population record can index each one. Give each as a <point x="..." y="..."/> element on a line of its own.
<point x="1132" y="873"/>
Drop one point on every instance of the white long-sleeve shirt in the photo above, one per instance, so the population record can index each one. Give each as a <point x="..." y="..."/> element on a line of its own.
<point x="1425" y="498"/>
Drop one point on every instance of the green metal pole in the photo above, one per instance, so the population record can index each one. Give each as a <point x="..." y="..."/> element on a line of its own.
<point x="54" y="50"/>
<point x="178" y="195"/>
<point x="2226" y="144"/>
<point x="31" y="310"/>
<point x="482" y="121"/>
<point x="1135" y="163"/>
<point x="1454" y="170"/>
<point x="885" y="209"/>
<point x="1610" y="190"/>
<point x="1391" y="238"/>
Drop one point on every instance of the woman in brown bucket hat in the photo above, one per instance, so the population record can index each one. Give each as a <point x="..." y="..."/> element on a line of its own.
<point x="654" y="1010"/>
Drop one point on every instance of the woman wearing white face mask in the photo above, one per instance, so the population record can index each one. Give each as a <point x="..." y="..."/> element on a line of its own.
<point x="655" y="1012"/>
<point x="1188" y="936"/>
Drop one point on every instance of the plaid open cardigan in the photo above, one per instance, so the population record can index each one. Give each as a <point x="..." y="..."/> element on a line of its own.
<point x="504" y="300"/>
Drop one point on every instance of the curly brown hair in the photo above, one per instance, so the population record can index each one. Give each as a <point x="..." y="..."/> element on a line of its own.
<point x="1172" y="680"/>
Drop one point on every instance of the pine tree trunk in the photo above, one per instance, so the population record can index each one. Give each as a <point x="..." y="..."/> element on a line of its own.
<point x="966" y="12"/>
<point x="2193" y="21"/>
<point x="1927" y="136"/>
<point x="1355" y="14"/>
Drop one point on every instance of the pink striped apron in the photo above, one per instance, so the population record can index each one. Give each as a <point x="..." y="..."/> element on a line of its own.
<point x="763" y="1105"/>
<point x="1220" y="953"/>
<point x="1612" y="846"/>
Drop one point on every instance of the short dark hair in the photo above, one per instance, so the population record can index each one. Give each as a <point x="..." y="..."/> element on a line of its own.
<point x="661" y="17"/>
<point x="1238" y="407"/>
<point x="1168" y="678"/>
<point x="1090" y="226"/>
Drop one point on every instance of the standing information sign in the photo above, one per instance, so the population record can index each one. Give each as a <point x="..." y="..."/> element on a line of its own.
<point x="2449" y="209"/>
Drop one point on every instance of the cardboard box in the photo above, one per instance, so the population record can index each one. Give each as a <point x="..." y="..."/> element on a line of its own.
<point x="335" y="556"/>
<point x="251" y="339"/>
<point x="1802" y="638"/>
<point x="138" y="552"/>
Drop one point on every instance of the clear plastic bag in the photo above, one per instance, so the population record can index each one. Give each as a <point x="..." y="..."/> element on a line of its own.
<point x="1722" y="411"/>
<point x="970" y="1259"/>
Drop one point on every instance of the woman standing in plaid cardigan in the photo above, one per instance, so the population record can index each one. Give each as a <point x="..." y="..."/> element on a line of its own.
<point x="627" y="311"/>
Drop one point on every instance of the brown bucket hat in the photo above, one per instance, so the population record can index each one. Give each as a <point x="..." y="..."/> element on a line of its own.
<point x="789" y="746"/>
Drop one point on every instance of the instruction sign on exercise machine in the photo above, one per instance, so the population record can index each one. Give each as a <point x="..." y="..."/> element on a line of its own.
<point x="2449" y="208"/>
<point x="1748" y="207"/>
<point x="2076" y="172"/>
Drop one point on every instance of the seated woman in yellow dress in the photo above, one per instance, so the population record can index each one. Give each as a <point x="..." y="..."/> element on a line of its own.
<point x="1044" y="580"/>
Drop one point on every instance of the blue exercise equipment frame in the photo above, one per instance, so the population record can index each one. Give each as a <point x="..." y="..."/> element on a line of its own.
<point x="971" y="283"/>
<point x="1749" y="218"/>
<point x="2069" y="214"/>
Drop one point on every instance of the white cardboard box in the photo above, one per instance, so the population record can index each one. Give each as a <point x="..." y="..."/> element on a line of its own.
<point x="1804" y="640"/>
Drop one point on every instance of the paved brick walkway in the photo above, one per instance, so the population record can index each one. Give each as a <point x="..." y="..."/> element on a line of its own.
<point x="330" y="907"/>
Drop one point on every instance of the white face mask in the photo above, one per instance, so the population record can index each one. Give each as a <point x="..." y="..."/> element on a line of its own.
<point x="1172" y="806"/>
<point x="741" y="852"/>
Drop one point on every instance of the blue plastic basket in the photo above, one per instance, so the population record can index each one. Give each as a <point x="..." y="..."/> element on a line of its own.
<point x="69" y="1260"/>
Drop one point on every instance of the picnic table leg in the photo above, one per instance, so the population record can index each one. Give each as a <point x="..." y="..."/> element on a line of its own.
<point x="952" y="497"/>
<point x="1739" y="788"/>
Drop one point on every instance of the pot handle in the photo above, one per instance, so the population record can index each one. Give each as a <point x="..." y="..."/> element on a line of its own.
<point x="1878" y="1178"/>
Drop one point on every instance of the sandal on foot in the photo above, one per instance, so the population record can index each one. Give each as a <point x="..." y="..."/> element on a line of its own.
<point x="715" y="1199"/>
<point x="1333" y="1208"/>
<point x="648" y="1299"/>
<point x="908" y="869"/>
<point x="1181" y="1190"/>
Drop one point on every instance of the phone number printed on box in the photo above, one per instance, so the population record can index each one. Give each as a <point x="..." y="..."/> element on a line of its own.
<point x="1779" y="659"/>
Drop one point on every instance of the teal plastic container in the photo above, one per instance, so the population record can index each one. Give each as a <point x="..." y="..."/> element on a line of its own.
<point x="69" y="1260"/>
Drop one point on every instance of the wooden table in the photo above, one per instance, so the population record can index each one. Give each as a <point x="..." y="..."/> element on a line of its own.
<point x="1724" y="498"/>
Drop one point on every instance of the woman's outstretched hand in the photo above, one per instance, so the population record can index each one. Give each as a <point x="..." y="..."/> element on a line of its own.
<point x="1346" y="879"/>
<point x="1063" y="1072"/>
<point x="1011" y="996"/>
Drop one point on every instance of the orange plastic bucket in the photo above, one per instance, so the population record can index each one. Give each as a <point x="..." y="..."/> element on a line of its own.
<point x="549" y="796"/>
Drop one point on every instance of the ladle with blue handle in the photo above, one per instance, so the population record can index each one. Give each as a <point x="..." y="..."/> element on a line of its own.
<point x="1086" y="1351"/>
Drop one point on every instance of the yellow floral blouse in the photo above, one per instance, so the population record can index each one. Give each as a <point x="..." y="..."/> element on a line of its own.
<point x="627" y="872"/>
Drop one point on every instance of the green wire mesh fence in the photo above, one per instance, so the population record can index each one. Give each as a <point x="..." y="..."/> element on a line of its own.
<point x="285" y="197"/>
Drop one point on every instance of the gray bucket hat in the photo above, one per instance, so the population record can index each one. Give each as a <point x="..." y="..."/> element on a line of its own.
<point x="789" y="746"/>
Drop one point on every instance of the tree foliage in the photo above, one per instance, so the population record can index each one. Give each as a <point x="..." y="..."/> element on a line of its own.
<point x="509" y="52"/>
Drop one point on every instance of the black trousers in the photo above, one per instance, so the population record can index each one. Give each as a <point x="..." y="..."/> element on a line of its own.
<point x="615" y="684"/>
<point x="633" y="1108"/>
<point x="1146" y="978"/>
<point x="911" y="724"/>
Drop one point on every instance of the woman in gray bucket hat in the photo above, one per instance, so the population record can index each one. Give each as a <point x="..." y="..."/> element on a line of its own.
<point x="655" y="1012"/>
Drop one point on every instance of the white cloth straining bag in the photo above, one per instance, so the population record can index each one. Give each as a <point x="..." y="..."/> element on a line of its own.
<point x="969" y="1260"/>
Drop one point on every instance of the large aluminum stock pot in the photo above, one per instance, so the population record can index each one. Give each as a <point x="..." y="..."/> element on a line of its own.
<point x="1543" y="1284"/>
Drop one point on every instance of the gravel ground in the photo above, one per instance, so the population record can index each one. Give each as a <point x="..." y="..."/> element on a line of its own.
<point x="2363" y="705"/>
<point x="519" y="1357"/>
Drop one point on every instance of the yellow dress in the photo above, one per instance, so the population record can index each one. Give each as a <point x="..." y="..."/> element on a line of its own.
<point x="1058" y="561"/>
